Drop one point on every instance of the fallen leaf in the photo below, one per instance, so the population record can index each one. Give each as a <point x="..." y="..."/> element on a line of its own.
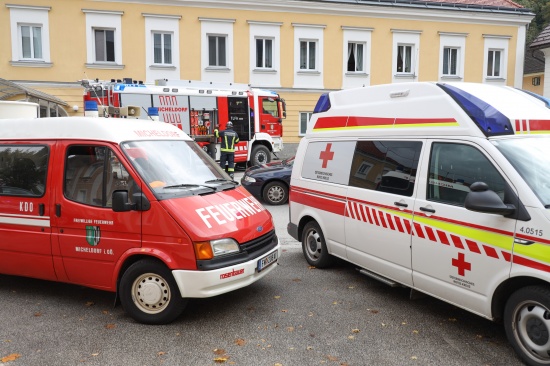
<point x="383" y="324"/>
<point x="332" y="358"/>
<point x="373" y="311"/>
<point x="284" y="311"/>
<point x="277" y="297"/>
<point x="219" y="351"/>
<point x="309" y="348"/>
<point x="290" y="329"/>
<point x="161" y="353"/>
<point x="240" y="342"/>
<point x="310" y="314"/>
<point x="12" y="357"/>
<point x="296" y="280"/>
<point x="106" y="312"/>
<point x="415" y="331"/>
<point x="351" y="287"/>
<point x="414" y="358"/>
<point x="220" y="359"/>
<point x="355" y="330"/>
<point x="89" y="303"/>
<point x="335" y="303"/>
<point x="110" y="326"/>
<point x="38" y="314"/>
<point x="351" y="337"/>
<point x="311" y="267"/>
<point x="95" y="354"/>
<point x="278" y="364"/>
<point x="452" y="319"/>
<point x="403" y="323"/>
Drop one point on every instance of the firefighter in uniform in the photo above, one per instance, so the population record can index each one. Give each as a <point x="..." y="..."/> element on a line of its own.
<point x="229" y="139"/>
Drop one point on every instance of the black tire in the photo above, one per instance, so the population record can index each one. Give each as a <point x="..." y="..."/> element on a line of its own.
<point x="275" y="193"/>
<point x="149" y="293"/>
<point x="315" y="247"/>
<point x="260" y="155"/>
<point x="527" y="324"/>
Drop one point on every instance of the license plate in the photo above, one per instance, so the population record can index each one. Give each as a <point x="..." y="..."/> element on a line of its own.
<point x="267" y="260"/>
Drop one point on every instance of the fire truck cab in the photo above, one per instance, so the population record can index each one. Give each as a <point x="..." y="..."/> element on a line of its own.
<point x="198" y="108"/>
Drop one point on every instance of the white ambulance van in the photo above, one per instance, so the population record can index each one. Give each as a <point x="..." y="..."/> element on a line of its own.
<point x="440" y="187"/>
<point x="129" y="206"/>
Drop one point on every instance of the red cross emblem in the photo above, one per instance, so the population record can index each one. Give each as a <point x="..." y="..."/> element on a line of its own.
<point x="461" y="264"/>
<point x="326" y="155"/>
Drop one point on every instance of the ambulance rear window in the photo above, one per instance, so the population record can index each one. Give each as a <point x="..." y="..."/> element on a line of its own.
<point x="489" y="120"/>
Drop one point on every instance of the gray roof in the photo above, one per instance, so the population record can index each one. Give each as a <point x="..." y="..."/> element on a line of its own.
<point x="534" y="62"/>
<point x="542" y="40"/>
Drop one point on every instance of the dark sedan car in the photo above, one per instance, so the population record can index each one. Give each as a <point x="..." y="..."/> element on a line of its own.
<point x="269" y="182"/>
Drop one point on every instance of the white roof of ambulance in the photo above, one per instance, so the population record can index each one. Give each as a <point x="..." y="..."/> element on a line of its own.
<point x="419" y="109"/>
<point x="88" y="128"/>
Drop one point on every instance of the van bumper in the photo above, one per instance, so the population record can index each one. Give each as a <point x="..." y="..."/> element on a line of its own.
<point x="200" y="284"/>
<point x="292" y="230"/>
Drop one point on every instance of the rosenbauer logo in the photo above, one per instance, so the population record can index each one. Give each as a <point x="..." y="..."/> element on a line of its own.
<point x="233" y="273"/>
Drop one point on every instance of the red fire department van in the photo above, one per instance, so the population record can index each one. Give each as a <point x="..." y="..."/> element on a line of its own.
<point x="132" y="207"/>
<point x="197" y="107"/>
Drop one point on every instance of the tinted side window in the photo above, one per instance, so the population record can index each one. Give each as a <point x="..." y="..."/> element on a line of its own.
<point x="387" y="166"/>
<point x="454" y="167"/>
<point x="23" y="170"/>
<point x="92" y="174"/>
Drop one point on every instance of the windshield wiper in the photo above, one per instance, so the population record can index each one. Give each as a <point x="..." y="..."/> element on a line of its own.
<point x="188" y="186"/>
<point x="221" y="180"/>
<point x="546" y="206"/>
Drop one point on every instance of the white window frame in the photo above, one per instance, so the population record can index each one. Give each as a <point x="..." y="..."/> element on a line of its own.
<point x="456" y="41"/>
<point x="452" y="61"/>
<point x="308" y="78"/>
<point x="215" y="27"/>
<point x="308" y="115"/>
<point x="405" y="38"/>
<point x="494" y="66"/>
<point x="265" y="77"/>
<point x="33" y="56"/>
<point x="161" y="23"/>
<point x="403" y="48"/>
<point x="217" y="37"/>
<point x="263" y="56"/>
<point x="356" y="35"/>
<point x="496" y="43"/>
<point x="163" y="47"/>
<point x="307" y="65"/>
<point x="354" y="51"/>
<point x="103" y="20"/>
<point x="31" y="16"/>
<point x="103" y="46"/>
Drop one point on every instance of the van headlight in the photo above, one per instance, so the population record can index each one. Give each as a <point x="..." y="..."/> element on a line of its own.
<point x="249" y="179"/>
<point x="215" y="248"/>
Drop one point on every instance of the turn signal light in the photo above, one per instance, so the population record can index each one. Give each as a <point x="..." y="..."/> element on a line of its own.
<point x="203" y="250"/>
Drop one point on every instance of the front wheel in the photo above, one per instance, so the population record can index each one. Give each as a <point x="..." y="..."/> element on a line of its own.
<point x="527" y="324"/>
<point x="314" y="246"/>
<point x="260" y="155"/>
<point x="149" y="293"/>
<point x="275" y="193"/>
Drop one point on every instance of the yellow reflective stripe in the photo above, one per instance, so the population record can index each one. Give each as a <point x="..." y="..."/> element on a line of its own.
<point x="538" y="251"/>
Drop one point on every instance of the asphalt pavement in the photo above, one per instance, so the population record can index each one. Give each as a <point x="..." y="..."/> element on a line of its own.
<point x="297" y="315"/>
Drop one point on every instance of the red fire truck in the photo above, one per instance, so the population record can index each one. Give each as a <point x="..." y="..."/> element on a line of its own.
<point x="198" y="108"/>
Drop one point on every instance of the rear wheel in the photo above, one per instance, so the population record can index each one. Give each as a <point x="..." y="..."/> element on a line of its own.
<point x="314" y="246"/>
<point x="260" y="155"/>
<point x="527" y="324"/>
<point x="275" y="193"/>
<point x="149" y="293"/>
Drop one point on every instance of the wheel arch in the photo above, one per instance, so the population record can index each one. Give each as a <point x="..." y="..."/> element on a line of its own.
<point x="131" y="259"/>
<point x="507" y="288"/>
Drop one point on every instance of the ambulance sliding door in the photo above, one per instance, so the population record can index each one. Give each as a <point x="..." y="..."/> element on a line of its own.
<point x="380" y="205"/>
<point x="457" y="254"/>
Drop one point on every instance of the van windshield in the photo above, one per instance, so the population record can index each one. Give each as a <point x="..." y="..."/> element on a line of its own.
<point x="531" y="158"/>
<point x="176" y="168"/>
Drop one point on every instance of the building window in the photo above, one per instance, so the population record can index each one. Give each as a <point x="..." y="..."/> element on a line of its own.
<point x="264" y="53"/>
<point x="216" y="51"/>
<point x="404" y="59"/>
<point x="450" y="61"/>
<point x="307" y="55"/>
<point x="31" y="41"/>
<point x="104" y="45"/>
<point x="162" y="48"/>
<point x="494" y="63"/>
<point x="536" y="81"/>
<point x="356" y="59"/>
<point x="304" y="121"/>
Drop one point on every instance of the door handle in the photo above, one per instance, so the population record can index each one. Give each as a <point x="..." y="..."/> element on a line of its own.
<point x="400" y="204"/>
<point x="523" y="241"/>
<point x="426" y="209"/>
<point x="41" y="209"/>
<point x="58" y="210"/>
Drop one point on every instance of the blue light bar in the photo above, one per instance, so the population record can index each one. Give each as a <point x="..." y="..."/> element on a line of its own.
<point x="323" y="104"/>
<point x="489" y="120"/>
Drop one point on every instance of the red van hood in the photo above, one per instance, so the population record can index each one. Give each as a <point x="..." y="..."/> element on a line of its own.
<point x="233" y="213"/>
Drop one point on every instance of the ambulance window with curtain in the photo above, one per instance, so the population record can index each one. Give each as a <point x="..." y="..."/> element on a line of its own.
<point x="454" y="167"/>
<point x="386" y="166"/>
<point x="92" y="174"/>
<point x="23" y="170"/>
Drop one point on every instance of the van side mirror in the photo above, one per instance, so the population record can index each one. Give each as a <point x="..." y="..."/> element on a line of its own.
<point x="482" y="199"/>
<point x="139" y="202"/>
